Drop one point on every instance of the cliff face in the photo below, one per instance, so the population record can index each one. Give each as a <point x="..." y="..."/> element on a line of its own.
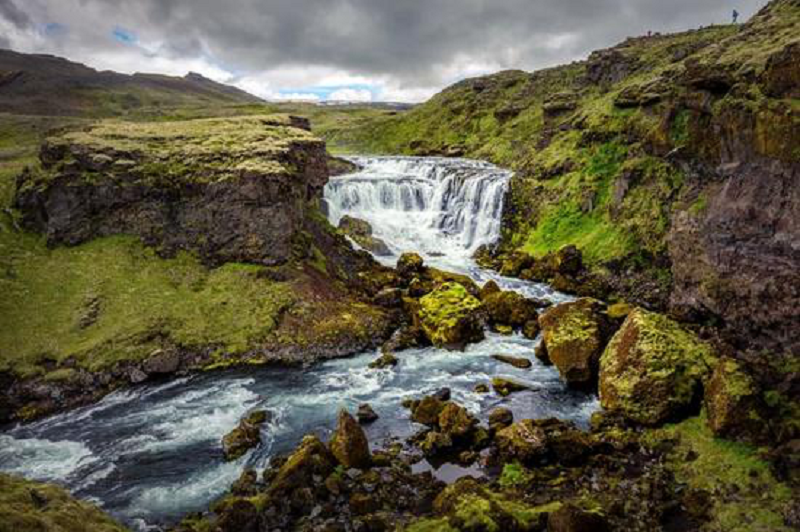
<point x="228" y="189"/>
<point x="670" y="161"/>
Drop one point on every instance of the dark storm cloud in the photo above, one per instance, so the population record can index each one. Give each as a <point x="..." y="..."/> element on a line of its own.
<point x="10" y="12"/>
<point x="412" y="42"/>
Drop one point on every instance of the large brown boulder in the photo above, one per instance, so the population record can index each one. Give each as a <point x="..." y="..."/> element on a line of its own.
<point x="509" y="309"/>
<point x="349" y="443"/>
<point x="574" y="335"/>
<point x="570" y="518"/>
<point x="653" y="369"/>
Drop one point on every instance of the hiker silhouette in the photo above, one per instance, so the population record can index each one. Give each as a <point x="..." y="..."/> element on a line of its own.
<point x="735" y="16"/>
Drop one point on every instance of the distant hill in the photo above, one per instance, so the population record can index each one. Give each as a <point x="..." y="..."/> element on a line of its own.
<point x="48" y="85"/>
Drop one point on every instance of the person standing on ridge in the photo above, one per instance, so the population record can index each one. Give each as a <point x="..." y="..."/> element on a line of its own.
<point x="735" y="16"/>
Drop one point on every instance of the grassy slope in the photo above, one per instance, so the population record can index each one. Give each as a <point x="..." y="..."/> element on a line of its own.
<point x="28" y="506"/>
<point x="142" y="302"/>
<point x="567" y="165"/>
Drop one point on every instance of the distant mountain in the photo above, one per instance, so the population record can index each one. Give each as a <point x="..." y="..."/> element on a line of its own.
<point x="49" y="85"/>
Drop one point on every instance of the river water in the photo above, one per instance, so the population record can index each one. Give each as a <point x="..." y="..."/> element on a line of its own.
<point x="151" y="453"/>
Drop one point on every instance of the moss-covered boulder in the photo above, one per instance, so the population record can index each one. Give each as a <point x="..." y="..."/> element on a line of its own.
<point x="311" y="459"/>
<point x="349" y="443"/>
<point x="361" y="232"/>
<point x="731" y="401"/>
<point x="509" y="309"/>
<point x="386" y="360"/>
<point x="427" y="410"/>
<point x="31" y="506"/>
<point x="409" y="265"/>
<point x="500" y="418"/>
<point x="456" y="421"/>
<point x="489" y="288"/>
<point x="504" y="386"/>
<point x="574" y="335"/>
<point x="653" y="369"/>
<point x="450" y="317"/>
<point x="245" y="436"/>
<point x="536" y="441"/>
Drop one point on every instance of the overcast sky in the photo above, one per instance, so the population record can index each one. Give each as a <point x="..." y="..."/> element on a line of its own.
<point x="401" y="50"/>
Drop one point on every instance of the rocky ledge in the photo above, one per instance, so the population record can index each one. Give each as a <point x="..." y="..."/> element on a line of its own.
<point x="232" y="189"/>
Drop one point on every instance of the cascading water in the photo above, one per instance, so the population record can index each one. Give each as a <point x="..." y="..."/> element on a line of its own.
<point x="441" y="208"/>
<point x="152" y="453"/>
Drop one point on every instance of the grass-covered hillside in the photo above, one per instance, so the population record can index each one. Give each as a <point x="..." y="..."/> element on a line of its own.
<point x="670" y="161"/>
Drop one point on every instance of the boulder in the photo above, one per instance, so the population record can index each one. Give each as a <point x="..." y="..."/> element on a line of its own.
<point x="450" y="317"/>
<point x="574" y="335"/>
<point x="531" y="329"/>
<point x="409" y="265"/>
<point x="349" y="443"/>
<point x="311" y="459"/>
<point x="509" y="309"/>
<point x="386" y="360"/>
<point x="500" y="418"/>
<point x="456" y="421"/>
<point x="506" y="387"/>
<point x="731" y="400"/>
<point x="366" y="414"/>
<point x="517" y="362"/>
<point x="443" y="394"/>
<point x="652" y="369"/>
<point x="245" y="436"/>
<point x="535" y="441"/>
<point x="361" y="232"/>
<point x="481" y="388"/>
<point x="427" y="411"/>
<point x="488" y="289"/>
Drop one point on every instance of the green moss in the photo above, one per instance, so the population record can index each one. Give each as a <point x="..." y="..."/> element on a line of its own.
<point x="145" y="302"/>
<point x="448" y="314"/>
<point x="27" y="505"/>
<point x="513" y="474"/>
<point x="747" y="497"/>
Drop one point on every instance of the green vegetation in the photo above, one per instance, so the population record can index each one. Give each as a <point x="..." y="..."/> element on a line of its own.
<point x="747" y="497"/>
<point x="513" y="475"/>
<point x="113" y="299"/>
<point x="27" y="505"/>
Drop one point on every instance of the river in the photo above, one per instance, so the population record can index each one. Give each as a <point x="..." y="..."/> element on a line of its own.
<point x="151" y="453"/>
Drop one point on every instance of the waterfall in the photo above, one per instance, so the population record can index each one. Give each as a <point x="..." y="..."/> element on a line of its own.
<point x="436" y="206"/>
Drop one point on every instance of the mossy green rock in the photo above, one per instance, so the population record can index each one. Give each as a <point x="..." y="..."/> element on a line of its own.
<point x="31" y="506"/>
<point x="311" y="459"/>
<point x="731" y="401"/>
<point x="349" y="443"/>
<point x="427" y="410"/>
<point x="450" y="318"/>
<point x="653" y="368"/>
<point x="506" y="387"/>
<point x="574" y="334"/>
<point x="456" y="421"/>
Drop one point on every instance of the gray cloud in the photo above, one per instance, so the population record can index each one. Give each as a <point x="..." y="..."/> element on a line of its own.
<point x="413" y="43"/>
<point x="10" y="12"/>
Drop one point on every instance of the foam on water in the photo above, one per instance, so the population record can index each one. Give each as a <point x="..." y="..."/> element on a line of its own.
<point x="153" y="452"/>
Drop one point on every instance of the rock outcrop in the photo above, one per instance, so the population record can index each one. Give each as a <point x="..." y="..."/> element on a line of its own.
<point x="245" y="436"/>
<point x="653" y="369"/>
<point x="349" y="443"/>
<point x="361" y="232"/>
<point x="232" y="189"/>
